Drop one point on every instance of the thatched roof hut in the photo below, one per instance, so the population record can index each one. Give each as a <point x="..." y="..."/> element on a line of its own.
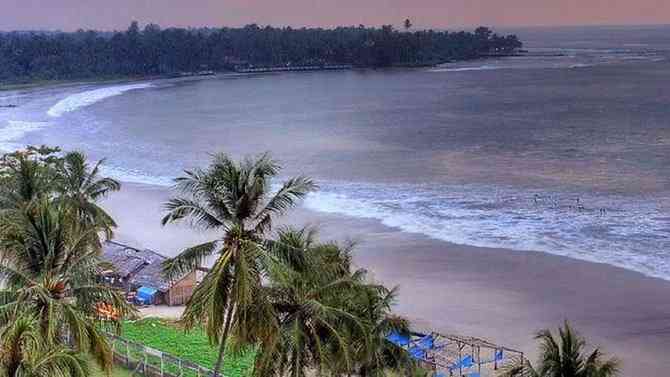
<point x="135" y="268"/>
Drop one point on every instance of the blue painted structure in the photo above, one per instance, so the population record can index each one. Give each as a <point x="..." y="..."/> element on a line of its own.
<point x="146" y="295"/>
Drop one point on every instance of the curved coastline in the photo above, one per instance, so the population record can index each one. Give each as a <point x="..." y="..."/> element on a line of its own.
<point x="500" y="294"/>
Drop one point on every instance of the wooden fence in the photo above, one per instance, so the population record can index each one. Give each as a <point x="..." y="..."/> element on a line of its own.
<point x="149" y="362"/>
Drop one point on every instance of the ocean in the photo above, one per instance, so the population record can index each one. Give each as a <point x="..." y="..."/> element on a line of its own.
<point x="565" y="150"/>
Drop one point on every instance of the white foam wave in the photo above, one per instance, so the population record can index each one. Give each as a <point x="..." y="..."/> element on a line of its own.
<point x="580" y="65"/>
<point x="631" y="238"/>
<point x="467" y="69"/>
<point x="631" y="235"/>
<point x="16" y="130"/>
<point x="87" y="98"/>
<point x="136" y="176"/>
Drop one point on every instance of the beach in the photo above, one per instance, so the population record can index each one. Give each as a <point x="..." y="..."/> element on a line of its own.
<point x="552" y="168"/>
<point x="500" y="295"/>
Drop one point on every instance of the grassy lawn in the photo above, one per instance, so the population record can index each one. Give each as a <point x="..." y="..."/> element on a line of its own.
<point x="192" y="346"/>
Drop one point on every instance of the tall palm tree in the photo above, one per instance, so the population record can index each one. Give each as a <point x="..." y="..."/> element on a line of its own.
<point x="234" y="199"/>
<point x="49" y="264"/>
<point x="307" y="290"/>
<point x="564" y="356"/>
<point x="81" y="187"/>
<point x="24" y="352"/>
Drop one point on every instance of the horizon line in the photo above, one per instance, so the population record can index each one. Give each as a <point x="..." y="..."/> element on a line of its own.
<point x="328" y="27"/>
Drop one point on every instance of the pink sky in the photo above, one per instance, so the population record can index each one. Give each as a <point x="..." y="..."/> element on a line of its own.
<point x="116" y="14"/>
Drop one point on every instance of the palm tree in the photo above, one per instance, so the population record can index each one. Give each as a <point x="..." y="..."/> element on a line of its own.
<point x="39" y="172"/>
<point x="49" y="264"/>
<point x="373" y="306"/>
<point x="81" y="186"/>
<point x="234" y="199"/>
<point x="308" y="289"/>
<point x="564" y="356"/>
<point x="25" y="176"/>
<point x="24" y="352"/>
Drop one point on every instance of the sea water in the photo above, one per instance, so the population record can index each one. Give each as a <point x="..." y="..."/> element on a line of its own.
<point x="565" y="150"/>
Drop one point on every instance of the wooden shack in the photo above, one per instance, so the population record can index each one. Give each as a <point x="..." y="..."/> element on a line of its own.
<point x="132" y="268"/>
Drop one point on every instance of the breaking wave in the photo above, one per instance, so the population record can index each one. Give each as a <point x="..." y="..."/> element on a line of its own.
<point x="467" y="69"/>
<point x="87" y="98"/>
<point x="136" y="176"/>
<point x="613" y="230"/>
<point x="16" y="130"/>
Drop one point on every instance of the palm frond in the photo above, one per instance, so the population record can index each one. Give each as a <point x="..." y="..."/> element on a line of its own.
<point x="189" y="259"/>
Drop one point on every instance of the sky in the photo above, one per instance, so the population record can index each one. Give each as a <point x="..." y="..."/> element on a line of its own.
<point x="70" y="15"/>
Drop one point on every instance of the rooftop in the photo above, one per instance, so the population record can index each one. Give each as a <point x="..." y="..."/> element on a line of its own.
<point x="138" y="267"/>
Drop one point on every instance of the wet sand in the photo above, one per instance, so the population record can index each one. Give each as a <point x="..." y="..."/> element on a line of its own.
<point x="500" y="295"/>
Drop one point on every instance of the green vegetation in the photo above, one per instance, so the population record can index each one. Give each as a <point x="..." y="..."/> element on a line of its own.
<point x="321" y="314"/>
<point x="234" y="199"/>
<point x="276" y="303"/>
<point x="50" y="242"/>
<point x="565" y="356"/>
<point x="26" y="352"/>
<point x="151" y="51"/>
<point x="298" y="301"/>
<point x="193" y="345"/>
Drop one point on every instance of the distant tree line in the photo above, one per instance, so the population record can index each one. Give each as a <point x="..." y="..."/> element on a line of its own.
<point x="26" y="56"/>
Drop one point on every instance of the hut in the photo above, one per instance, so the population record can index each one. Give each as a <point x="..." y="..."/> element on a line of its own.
<point x="133" y="269"/>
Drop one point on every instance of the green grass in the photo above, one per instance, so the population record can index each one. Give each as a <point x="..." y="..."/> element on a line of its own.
<point x="192" y="346"/>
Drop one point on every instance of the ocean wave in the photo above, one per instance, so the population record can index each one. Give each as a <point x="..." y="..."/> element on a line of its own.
<point x="608" y="231"/>
<point x="467" y="69"/>
<point x="16" y="130"/>
<point x="87" y="98"/>
<point x="580" y="65"/>
<point x="618" y="231"/>
<point x="136" y="176"/>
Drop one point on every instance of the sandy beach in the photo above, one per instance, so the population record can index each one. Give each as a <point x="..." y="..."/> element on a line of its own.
<point x="500" y="295"/>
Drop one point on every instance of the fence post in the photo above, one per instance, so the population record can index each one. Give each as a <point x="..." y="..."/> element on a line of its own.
<point x="127" y="354"/>
<point x="143" y="366"/>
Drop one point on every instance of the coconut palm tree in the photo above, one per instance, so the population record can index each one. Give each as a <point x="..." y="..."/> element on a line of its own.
<point x="564" y="356"/>
<point x="49" y="263"/>
<point x="26" y="175"/>
<point x="373" y="306"/>
<point x="39" y="172"/>
<point x="24" y="352"/>
<point x="80" y="186"/>
<point x="234" y="199"/>
<point x="308" y="289"/>
<point x="347" y="334"/>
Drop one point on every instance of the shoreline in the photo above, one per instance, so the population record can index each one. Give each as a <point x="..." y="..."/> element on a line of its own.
<point x="43" y="84"/>
<point x="492" y="293"/>
<point x="64" y="83"/>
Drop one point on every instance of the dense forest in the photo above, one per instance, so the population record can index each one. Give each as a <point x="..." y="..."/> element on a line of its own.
<point x="26" y="56"/>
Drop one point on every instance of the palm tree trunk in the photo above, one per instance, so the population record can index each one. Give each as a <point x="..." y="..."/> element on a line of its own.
<point x="222" y="347"/>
